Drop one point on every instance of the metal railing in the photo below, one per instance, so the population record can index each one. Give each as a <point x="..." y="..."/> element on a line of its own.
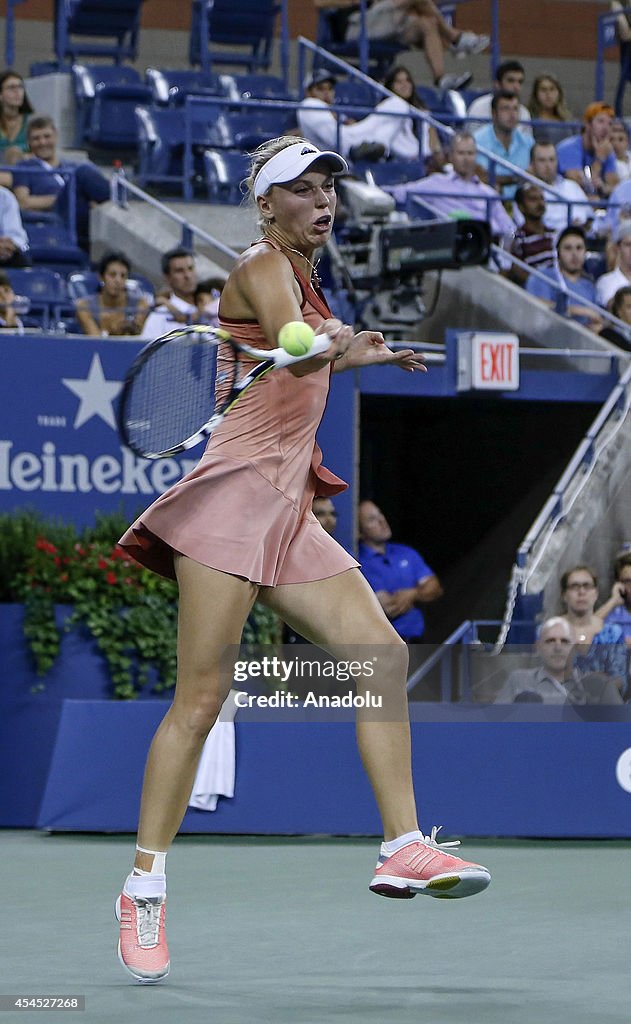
<point x="121" y="186"/>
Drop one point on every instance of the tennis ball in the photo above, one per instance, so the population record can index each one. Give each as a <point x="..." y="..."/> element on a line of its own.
<point x="296" y="338"/>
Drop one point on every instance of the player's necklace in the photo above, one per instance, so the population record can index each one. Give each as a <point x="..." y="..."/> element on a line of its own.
<point x="315" y="277"/>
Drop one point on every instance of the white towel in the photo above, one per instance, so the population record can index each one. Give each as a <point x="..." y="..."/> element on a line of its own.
<point x="216" y="770"/>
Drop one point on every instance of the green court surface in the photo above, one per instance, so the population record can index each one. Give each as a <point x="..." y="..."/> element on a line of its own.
<point x="285" y="931"/>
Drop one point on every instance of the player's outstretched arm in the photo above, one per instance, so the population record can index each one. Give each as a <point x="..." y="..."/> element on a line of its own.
<point x="368" y="348"/>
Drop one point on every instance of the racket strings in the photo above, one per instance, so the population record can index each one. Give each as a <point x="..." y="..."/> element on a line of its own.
<point x="174" y="393"/>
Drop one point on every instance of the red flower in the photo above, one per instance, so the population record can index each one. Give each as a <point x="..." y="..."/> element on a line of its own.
<point x="103" y="564"/>
<point x="44" y="545"/>
<point x="110" y="577"/>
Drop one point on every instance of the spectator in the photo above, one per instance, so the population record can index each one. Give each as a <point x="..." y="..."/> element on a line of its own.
<point x="8" y="318"/>
<point x="14" y="110"/>
<point x="608" y="284"/>
<point x="113" y="310"/>
<point x="620" y="144"/>
<point x="176" y="303"/>
<point x="206" y="297"/>
<point x="534" y="242"/>
<point x="619" y="206"/>
<point x="373" y="137"/>
<point x="601" y="647"/>
<point x="399" y="575"/>
<point x="415" y="24"/>
<point x="570" y="275"/>
<point x="503" y="138"/>
<point x="38" y="191"/>
<point x="555" y="680"/>
<point x="589" y="158"/>
<point x="617" y="610"/>
<point x="623" y="31"/>
<point x="13" y="238"/>
<point x="324" y="511"/>
<point x="465" y="194"/>
<point x="620" y="307"/>
<point x="547" y="104"/>
<point x="400" y="82"/>
<point x="509" y="77"/>
<point x="544" y="165"/>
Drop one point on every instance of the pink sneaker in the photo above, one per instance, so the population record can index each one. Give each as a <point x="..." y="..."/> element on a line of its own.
<point x="421" y="866"/>
<point x="142" y="947"/>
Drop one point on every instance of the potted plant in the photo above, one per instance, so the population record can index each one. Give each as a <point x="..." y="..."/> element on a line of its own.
<point x="129" y="613"/>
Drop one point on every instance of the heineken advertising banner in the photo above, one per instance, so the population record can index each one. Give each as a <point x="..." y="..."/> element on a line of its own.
<point x="60" y="451"/>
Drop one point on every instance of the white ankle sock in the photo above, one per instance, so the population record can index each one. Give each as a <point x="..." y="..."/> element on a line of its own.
<point x="146" y="885"/>
<point x="395" y="844"/>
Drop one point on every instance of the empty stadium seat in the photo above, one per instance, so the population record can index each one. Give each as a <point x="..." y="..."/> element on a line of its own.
<point x="51" y="243"/>
<point x="171" y="87"/>
<point x="46" y="291"/>
<point x="106" y="97"/>
<point x="247" y="131"/>
<point x="444" y="104"/>
<point x="251" y="86"/>
<point x="390" y="172"/>
<point x="115" y="23"/>
<point x="224" y="171"/>
<point x="330" y="36"/>
<point x="354" y="91"/>
<point x="248" y="25"/>
<point x="162" y="140"/>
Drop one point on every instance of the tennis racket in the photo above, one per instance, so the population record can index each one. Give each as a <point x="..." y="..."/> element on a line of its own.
<point x="180" y="387"/>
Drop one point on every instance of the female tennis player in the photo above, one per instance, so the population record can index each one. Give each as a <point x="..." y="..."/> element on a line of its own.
<point x="240" y="528"/>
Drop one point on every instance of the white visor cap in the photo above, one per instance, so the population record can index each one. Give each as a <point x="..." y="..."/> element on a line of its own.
<point x="293" y="161"/>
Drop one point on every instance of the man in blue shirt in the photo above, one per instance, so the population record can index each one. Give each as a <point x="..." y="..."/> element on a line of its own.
<point x="503" y="138"/>
<point x="400" y="577"/>
<point x="589" y="158"/>
<point x="568" y="276"/>
<point x="40" y="185"/>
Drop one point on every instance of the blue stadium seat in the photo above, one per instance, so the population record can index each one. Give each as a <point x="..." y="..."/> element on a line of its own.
<point x="248" y="25"/>
<point x="161" y="142"/>
<point x="260" y="87"/>
<point x="330" y="36"/>
<point x="106" y="98"/>
<point x="390" y="172"/>
<point x="247" y="131"/>
<point x="170" y="88"/>
<point x="444" y="104"/>
<point x="225" y="170"/>
<point x="354" y="91"/>
<point x="46" y="291"/>
<point x="51" y="243"/>
<point x="117" y="21"/>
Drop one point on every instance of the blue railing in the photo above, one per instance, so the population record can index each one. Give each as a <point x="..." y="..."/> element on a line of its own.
<point x="9" y="41"/>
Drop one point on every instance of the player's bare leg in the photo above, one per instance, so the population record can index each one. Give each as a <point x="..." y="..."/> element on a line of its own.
<point x="342" y="614"/>
<point x="213" y="607"/>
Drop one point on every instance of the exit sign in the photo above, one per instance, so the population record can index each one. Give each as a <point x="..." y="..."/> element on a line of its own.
<point x="488" y="361"/>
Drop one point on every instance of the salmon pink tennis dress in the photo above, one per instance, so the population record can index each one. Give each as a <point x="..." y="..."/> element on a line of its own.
<point x="246" y="507"/>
